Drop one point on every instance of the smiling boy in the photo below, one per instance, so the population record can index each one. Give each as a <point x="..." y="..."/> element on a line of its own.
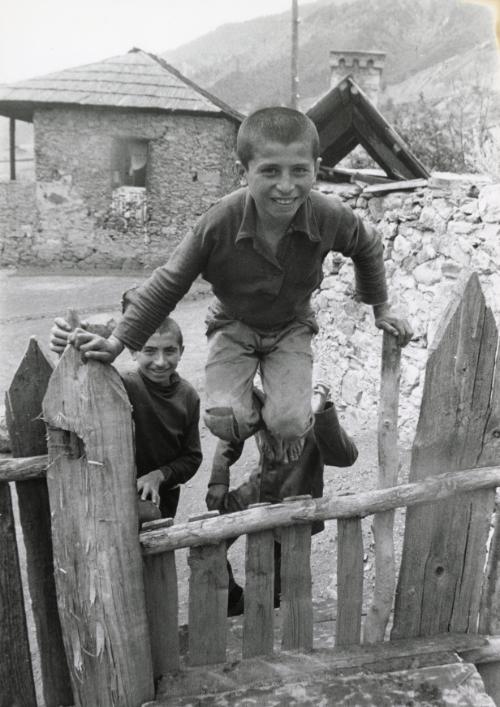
<point x="262" y="248"/>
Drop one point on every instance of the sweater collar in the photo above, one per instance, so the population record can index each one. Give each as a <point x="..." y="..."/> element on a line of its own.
<point x="303" y="221"/>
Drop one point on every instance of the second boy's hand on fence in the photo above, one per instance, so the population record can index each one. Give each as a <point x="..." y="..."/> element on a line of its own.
<point x="149" y="486"/>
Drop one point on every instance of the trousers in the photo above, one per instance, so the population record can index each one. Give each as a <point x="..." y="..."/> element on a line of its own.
<point x="283" y="357"/>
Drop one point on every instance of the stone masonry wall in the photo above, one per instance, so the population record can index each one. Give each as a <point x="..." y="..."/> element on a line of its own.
<point x="432" y="237"/>
<point x="17" y="221"/>
<point x="190" y="165"/>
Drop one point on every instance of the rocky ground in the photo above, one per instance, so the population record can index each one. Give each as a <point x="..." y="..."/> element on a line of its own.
<point x="28" y="305"/>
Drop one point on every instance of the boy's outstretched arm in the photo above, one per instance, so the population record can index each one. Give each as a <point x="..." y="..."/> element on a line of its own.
<point x="389" y="321"/>
<point x="361" y="242"/>
<point x="155" y="299"/>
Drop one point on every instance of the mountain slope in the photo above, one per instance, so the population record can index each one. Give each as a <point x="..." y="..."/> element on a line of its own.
<point x="248" y="64"/>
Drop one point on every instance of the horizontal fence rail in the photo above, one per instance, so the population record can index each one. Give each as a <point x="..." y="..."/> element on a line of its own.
<point x="23" y="468"/>
<point x="214" y="530"/>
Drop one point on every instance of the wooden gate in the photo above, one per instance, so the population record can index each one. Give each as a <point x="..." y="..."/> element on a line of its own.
<point x="118" y="613"/>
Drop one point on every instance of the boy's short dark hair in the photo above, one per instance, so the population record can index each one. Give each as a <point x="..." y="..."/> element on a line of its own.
<point x="277" y="124"/>
<point x="168" y="325"/>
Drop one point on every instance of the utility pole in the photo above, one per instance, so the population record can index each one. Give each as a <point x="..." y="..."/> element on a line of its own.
<point x="294" y="102"/>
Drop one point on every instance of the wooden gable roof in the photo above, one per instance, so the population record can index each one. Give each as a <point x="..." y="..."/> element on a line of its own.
<point x="345" y="118"/>
<point x="133" y="80"/>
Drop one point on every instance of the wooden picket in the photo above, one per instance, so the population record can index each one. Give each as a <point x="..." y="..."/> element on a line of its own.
<point x="350" y="566"/>
<point x="296" y="586"/>
<point x="388" y="466"/>
<point x="23" y="403"/>
<point x="258" y="623"/>
<point x="162" y="606"/>
<point x="444" y="548"/>
<point x="207" y="601"/>
<point x="93" y="501"/>
<point x="17" y="685"/>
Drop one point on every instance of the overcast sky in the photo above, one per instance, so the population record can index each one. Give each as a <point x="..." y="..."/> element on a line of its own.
<point x="39" y="36"/>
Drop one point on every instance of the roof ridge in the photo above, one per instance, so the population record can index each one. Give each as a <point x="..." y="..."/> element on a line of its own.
<point x="206" y="94"/>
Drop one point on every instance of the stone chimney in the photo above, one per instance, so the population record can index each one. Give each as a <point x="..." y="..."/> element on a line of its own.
<point x="365" y="68"/>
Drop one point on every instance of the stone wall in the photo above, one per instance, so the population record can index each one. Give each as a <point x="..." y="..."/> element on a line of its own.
<point x="432" y="236"/>
<point x="190" y="165"/>
<point x="17" y="221"/>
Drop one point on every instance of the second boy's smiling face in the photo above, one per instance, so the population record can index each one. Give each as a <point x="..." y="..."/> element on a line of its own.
<point x="280" y="178"/>
<point x="159" y="357"/>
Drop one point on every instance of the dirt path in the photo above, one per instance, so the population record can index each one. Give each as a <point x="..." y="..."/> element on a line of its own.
<point x="27" y="307"/>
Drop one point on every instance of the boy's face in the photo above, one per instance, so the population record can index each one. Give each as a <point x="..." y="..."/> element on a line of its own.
<point x="280" y="178"/>
<point x="159" y="357"/>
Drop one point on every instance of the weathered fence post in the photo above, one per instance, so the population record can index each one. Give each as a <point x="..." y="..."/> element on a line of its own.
<point x="23" y="403"/>
<point x="444" y="549"/>
<point x="489" y="618"/>
<point x="296" y="585"/>
<point x="162" y="606"/>
<point x="388" y="461"/>
<point x="97" y="558"/>
<point x="16" y="677"/>
<point x="349" y="581"/>
<point x="208" y="582"/>
<point x="258" y="622"/>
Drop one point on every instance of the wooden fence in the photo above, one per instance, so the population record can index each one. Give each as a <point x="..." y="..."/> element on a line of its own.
<point x="117" y="620"/>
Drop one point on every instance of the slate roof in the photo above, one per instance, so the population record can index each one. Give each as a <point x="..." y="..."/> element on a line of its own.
<point x="133" y="80"/>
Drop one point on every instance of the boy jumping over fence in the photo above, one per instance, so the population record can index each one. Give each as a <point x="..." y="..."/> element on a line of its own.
<point x="166" y="412"/>
<point x="326" y="443"/>
<point x="262" y="248"/>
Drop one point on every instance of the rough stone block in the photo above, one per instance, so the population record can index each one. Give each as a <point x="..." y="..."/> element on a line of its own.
<point x="329" y="282"/>
<point x="443" y="207"/>
<point x="426" y="274"/>
<point x="401" y="247"/>
<point x="456" y="228"/>
<point x="431" y="219"/>
<point x="451" y="269"/>
<point x="352" y="388"/>
<point x="489" y="203"/>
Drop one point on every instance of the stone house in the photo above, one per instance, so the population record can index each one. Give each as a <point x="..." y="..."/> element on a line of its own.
<point x="128" y="153"/>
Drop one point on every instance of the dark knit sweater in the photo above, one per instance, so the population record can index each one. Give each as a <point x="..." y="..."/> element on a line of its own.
<point x="166" y="427"/>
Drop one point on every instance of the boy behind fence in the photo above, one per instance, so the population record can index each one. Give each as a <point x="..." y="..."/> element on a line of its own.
<point x="261" y="247"/>
<point x="165" y="410"/>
